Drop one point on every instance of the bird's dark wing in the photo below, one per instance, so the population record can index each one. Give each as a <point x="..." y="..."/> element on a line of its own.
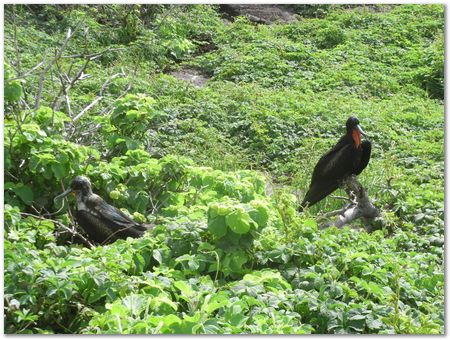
<point x="95" y="227"/>
<point x="120" y="224"/>
<point x="332" y="168"/>
<point x="335" y="164"/>
<point x="366" y="147"/>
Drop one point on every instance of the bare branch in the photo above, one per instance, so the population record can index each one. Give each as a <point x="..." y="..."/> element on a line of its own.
<point x="100" y="95"/>
<point x="65" y="89"/>
<point x="108" y="81"/>
<point x="360" y="205"/>
<point x="106" y="110"/>
<point x="58" y="54"/>
<point x="28" y="73"/>
<point x="84" y="240"/>
<point x="333" y="213"/>
<point x="87" y="108"/>
<point x="93" y="56"/>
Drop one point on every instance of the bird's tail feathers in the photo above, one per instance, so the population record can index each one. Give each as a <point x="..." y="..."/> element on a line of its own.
<point x="317" y="193"/>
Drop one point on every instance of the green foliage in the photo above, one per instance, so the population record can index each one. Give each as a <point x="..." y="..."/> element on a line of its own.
<point x="220" y="170"/>
<point x="13" y="88"/>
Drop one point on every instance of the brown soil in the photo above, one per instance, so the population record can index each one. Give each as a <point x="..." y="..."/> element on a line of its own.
<point x="191" y="76"/>
<point x="264" y="14"/>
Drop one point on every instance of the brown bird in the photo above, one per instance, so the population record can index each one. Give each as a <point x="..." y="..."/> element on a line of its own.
<point x="101" y="221"/>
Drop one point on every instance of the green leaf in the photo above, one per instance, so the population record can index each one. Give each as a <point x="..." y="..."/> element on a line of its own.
<point x="139" y="262"/>
<point x="238" y="259"/>
<point x="373" y="323"/>
<point x="217" y="301"/>
<point x="157" y="256"/>
<point x="357" y="322"/>
<point x="238" y="221"/>
<point x="217" y="226"/>
<point x="309" y="222"/>
<point x="261" y="213"/>
<point x="13" y="91"/>
<point x="24" y="192"/>
<point x="59" y="170"/>
<point x="185" y="289"/>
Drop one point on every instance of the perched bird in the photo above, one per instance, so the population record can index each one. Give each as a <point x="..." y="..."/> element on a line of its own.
<point x="102" y="222"/>
<point x="348" y="157"/>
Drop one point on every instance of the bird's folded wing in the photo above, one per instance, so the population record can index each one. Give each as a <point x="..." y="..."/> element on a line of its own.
<point x="97" y="228"/>
<point x="113" y="217"/>
<point x="335" y="164"/>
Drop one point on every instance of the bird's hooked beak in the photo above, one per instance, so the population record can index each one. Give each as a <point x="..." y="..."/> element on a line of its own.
<point x="361" y="131"/>
<point x="64" y="194"/>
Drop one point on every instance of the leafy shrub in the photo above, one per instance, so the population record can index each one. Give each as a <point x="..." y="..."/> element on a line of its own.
<point x="220" y="169"/>
<point x="330" y="37"/>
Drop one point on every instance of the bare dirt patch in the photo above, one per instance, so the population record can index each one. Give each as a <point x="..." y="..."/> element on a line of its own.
<point x="263" y="14"/>
<point x="191" y="76"/>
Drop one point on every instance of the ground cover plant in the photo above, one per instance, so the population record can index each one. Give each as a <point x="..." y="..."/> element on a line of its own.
<point x="220" y="167"/>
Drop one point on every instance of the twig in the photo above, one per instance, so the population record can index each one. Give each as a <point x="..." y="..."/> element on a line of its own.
<point x="100" y="95"/>
<point x="106" y="110"/>
<point x="154" y="206"/>
<point x="26" y="74"/>
<point x="11" y="175"/>
<point x="85" y="241"/>
<point x="23" y="102"/>
<point x="78" y="116"/>
<point x="93" y="55"/>
<point x="58" y="54"/>
<point x="108" y="81"/>
<point x="389" y="182"/>
<point x="342" y="198"/>
<point x="333" y="213"/>
<point x="65" y="89"/>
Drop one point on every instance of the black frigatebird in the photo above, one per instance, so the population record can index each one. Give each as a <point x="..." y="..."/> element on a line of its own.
<point x="101" y="221"/>
<point x="348" y="157"/>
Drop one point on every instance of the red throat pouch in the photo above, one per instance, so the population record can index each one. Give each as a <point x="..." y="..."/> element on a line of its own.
<point x="356" y="137"/>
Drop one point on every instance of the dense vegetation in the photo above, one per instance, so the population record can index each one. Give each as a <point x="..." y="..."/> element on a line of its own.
<point x="221" y="168"/>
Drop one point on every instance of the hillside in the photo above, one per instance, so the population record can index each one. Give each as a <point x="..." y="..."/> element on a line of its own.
<point x="207" y="122"/>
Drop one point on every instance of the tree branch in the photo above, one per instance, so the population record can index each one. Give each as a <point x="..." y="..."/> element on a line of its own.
<point x="100" y="95"/>
<point x="26" y="74"/>
<point x="73" y="232"/>
<point x="93" y="56"/>
<point x="71" y="82"/>
<point x="360" y="205"/>
<point x="58" y="54"/>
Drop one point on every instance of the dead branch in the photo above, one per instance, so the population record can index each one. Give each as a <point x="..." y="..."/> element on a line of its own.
<point x="360" y="206"/>
<point x="70" y="83"/>
<point x="110" y="107"/>
<point x="87" y="108"/>
<point x="334" y="213"/>
<point x="108" y="81"/>
<point x="58" y="54"/>
<point x="93" y="56"/>
<point x="92" y="129"/>
<point x="100" y="95"/>
<point x="73" y="232"/>
<point x="28" y="73"/>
